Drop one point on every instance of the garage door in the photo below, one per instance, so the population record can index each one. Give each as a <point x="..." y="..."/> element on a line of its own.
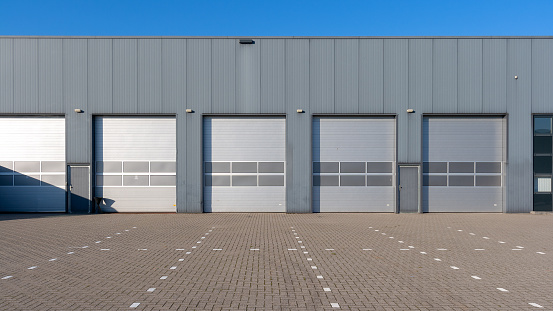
<point x="136" y="163"/>
<point x="32" y="164"/>
<point x="244" y="164"/>
<point x="354" y="164"/>
<point x="463" y="164"/>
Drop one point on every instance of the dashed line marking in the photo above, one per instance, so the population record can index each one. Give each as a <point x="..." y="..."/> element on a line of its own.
<point x="501" y="242"/>
<point x="334" y="305"/>
<point x="104" y="249"/>
<point x="173" y="268"/>
<point x="163" y="277"/>
<point x="207" y="233"/>
<point x="217" y="249"/>
<point x="151" y="290"/>
<point x="541" y="253"/>
<point x="134" y="305"/>
<point x="118" y="233"/>
<point x="179" y="249"/>
<point x="475" y="277"/>
<point x="254" y="249"/>
<point x="199" y="242"/>
<point x="70" y="253"/>
<point x="376" y="230"/>
<point x="454" y="268"/>
<point x="383" y="233"/>
<point x="108" y="237"/>
<point x="193" y="246"/>
<point x="404" y="249"/>
<point x="188" y="253"/>
<point x="479" y="249"/>
<point x="424" y="253"/>
<point x="326" y="289"/>
<point x="459" y="230"/>
<point x="302" y="246"/>
<point x="400" y="242"/>
<point x="202" y="237"/>
<point x="306" y="252"/>
<point x="533" y="304"/>
<point x="367" y="249"/>
<point x="442" y="249"/>
<point x="314" y="267"/>
<point x="98" y="242"/>
<point x="7" y="277"/>
<point x="437" y="259"/>
<point x="390" y="237"/>
<point x="142" y="249"/>
<point x="182" y="259"/>
<point x="472" y="233"/>
<point x="127" y="230"/>
<point x="502" y="289"/>
<point x="309" y="259"/>
<point x="53" y="259"/>
<point x="485" y="237"/>
<point x="300" y="242"/>
<point x="410" y="246"/>
<point x="519" y="247"/>
<point x="297" y="237"/>
<point x="32" y="268"/>
<point x="210" y="231"/>
<point x="320" y="277"/>
<point x="85" y="246"/>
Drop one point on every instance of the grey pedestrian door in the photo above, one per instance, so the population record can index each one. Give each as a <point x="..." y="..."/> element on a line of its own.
<point x="79" y="189"/>
<point x="408" y="189"/>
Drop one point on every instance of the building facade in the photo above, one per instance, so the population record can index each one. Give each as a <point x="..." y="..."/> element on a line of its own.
<point x="276" y="124"/>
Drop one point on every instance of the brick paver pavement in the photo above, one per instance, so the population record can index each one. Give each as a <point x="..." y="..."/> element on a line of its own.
<point x="276" y="262"/>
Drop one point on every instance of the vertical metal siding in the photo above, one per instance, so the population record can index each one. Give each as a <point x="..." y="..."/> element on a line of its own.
<point x="198" y="98"/>
<point x="78" y="133"/>
<point x="224" y="76"/>
<point x="420" y="94"/>
<point x="125" y="63"/>
<point x="298" y="127"/>
<point x="494" y="74"/>
<point x="100" y="75"/>
<point x="50" y="76"/>
<point x="25" y="75"/>
<point x="347" y="76"/>
<point x="248" y="77"/>
<point x="321" y="75"/>
<point x="149" y="76"/>
<point x="371" y="73"/>
<point x="470" y="76"/>
<point x="542" y="76"/>
<point x="6" y="75"/>
<point x="444" y="75"/>
<point x="396" y="89"/>
<point x="273" y="89"/>
<point x="519" y="96"/>
<point x="173" y="75"/>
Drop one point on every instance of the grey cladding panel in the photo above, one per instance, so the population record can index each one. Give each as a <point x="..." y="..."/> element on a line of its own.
<point x="347" y="75"/>
<point x="273" y="79"/>
<point x="371" y="71"/>
<point x="25" y="75"/>
<point x="248" y="76"/>
<point x="321" y="66"/>
<point x="224" y="76"/>
<point x="494" y="75"/>
<point x="470" y="76"/>
<point x="50" y="75"/>
<point x="173" y="74"/>
<point x="6" y="75"/>
<point x="149" y="76"/>
<point x="396" y="89"/>
<point x="125" y="75"/>
<point x="444" y="76"/>
<point x="100" y="75"/>
<point x="542" y="75"/>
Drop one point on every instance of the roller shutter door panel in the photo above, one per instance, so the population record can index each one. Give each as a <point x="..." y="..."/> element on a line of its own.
<point x="135" y="163"/>
<point x="244" y="164"/>
<point x="463" y="164"/>
<point x="354" y="164"/>
<point x="32" y="164"/>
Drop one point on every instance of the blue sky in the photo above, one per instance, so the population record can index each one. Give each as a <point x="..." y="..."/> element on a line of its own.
<point x="276" y="18"/>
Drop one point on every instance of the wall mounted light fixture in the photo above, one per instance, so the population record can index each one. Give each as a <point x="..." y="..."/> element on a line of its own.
<point x="79" y="110"/>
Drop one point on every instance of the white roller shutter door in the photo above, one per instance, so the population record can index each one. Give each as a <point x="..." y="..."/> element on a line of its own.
<point x="32" y="164"/>
<point x="135" y="163"/>
<point x="463" y="163"/>
<point x="354" y="164"/>
<point x="244" y="164"/>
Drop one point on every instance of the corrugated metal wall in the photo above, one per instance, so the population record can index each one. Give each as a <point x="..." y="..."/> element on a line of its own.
<point x="278" y="76"/>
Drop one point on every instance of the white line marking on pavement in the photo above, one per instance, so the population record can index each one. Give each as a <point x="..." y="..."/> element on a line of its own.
<point x="142" y="249"/>
<point x="367" y="249"/>
<point x="334" y="305"/>
<point x="519" y="247"/>
<point x="98" y="242"/>
<point x="199" y="242"/>
<point x="84" y="247"/>
<point x="151" y="290"/>
<point x="70" y="253"/>
<point x="302" y="246"/>
<point x="134" y="227"/>
<point x="297" y="237"/>
<point x="254" y="249"/>
<point x="442" y="249"/>
<point x="454" y="268"/>
<point x="163" y="277"/>
<point x="293" y="230"/>
<point x="182" y="259"/>
<point x="486" y="238"/>
<point x="134" y="305"/>
<point x="104" y="249"/>
<point x="7" y="277"/>
<point x="33" y="267"/>
<point x="533" y="304"/>
<point x="424" y="253"/>
<point x="502" y="289"/>
<point x="108" y="237"/>
<point x="173" y="268"/>
<point x="300" y="242"/>
<point x="295" y="233"/>
<point x="541" y="253"/>
<point x="292" y="249"/>
<point x="53" y="259"/>
<point x="314" y="267"/>
<point x="410" y="246"/>
<point x="478" y="249"/>
<point x="306" y="252"/>
<point x="326" y="289"/>
<point x="118" y="233"/>
<point x="383" y="233"/>
<point x="449" y="227"/>
<point x="292" y="227"/>
<point x="390" y="237"/>
<point x="217" y="249"/>
<point x="309" y="259"/>
<point x="475" y="277"/>
<point x="329" y="249"/>
<point x="193" y="246"/>
<point x="210" y="231"/>
<point x="400" y="242"/>
<point x="459" y="230"/>
<point x="319" y="277"/>
<point x="370" y="227"/>
<point x="212" y="227"/>
<point x="501" y="242"/>
<point x="437" y="259"/>
<point x="472" y="233"/>
<point x="376" y="230"/>
<point x="207" y="233"/>
<point x="202" y="237"/>
<point x="127" y="230"/>
<point x="188" y="253"/>
<point x="404" y="249"/>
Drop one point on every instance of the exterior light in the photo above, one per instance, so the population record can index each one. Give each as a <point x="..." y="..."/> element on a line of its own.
<point x="189" y="110"/>
<point x="79" y="110"/>
<point x="300" y="111"/>
<point x="410" y="110"/>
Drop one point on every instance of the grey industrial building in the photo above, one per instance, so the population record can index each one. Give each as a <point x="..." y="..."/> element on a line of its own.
<point x="276" y="124"/>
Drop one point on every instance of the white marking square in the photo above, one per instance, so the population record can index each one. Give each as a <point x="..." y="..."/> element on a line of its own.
<point x="437" y="259"/>
<point x="404" y="249"/>
<point x="302" y="246"/>
<point x="472" y="233"/>
<point x="306" y="252"/>
<point x="314" y="267"/>
<point x="541" y="253"/>
<point x="193" y="246"/>
<point x="520" y="247"/>
<point x="476" y="277"/>
<point x="478" y="249"/>
<point x="319" y="277"/>
<point x="300" y="242"/>
<point x="533" y="304"/>
<point x="501" y="242"/>
<point x="134" y="305"/>
<point x="173" y="268"/>
<point x="151" y="289"/>
<point x="98" y="242"/>
<point x="163" y="277"/>
<point x="424" y="253"/>
<point x="188" y="253"/>
<point x="182" y="259"/>
<point x="485" y="237"/>
<point x="454" y="268"/>
<point x="442" y="249"/>
<point x="32" y="268"/>
<point x="502" y="289"/>
<point x="329" y="249"/>
<point x="309" y="259"/>
<point x="7" y="277"/>
<point x="199" y="242"/>
<point x="53" y="259"/>
<point x="459" y="230"/>
<point x="326" y="289"/>
<point x="104" y="249"/>
<point x="391" y="237"/>
<point x="84" y="247"/>
<point x="411" y="246"/>
<point x="334" y="305"/>
<point x="70" y="253"/>
<point x="367" y="249"/>
<point x="254" y="249"/>
<point x="142" y="249"/>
